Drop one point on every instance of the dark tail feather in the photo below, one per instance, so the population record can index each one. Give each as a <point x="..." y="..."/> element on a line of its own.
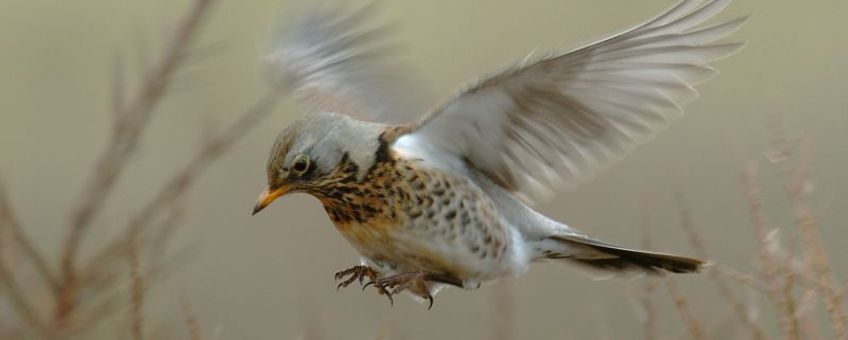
<point x="615" y="258"/>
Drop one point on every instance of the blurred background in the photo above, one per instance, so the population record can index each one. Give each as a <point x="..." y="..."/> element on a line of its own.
<point x="270" y="275"/>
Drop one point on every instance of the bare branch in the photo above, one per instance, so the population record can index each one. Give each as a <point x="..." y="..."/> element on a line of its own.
<point x="650" y="318"/>
<point x="697" y="242"/>
<point x="746" y="279"/>
<point x="134" y="120"/>
<point x="7" y="219"/>
<point x="208" y="154"/>
<point x="19" y="300"/>
<point x="137" y="293"/>
<point x="771" y="263"/>
<point x="797" y="184"/>
<point x="680" y="303"/>
<point x="182" y="181"/>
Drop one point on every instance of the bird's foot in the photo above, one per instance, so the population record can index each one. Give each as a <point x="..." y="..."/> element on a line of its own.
<point x="354" y="273"/>
<point x="360" y="273"/>
<point x="415" y="283"/>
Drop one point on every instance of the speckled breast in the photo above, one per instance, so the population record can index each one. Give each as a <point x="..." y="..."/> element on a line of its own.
<point x="411" y="217"/>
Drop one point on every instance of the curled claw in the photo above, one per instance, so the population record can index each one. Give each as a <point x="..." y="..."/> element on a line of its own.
<point x="391" y="300"/>
<point x="354" y="273"/>
<point x="415" y="283"/>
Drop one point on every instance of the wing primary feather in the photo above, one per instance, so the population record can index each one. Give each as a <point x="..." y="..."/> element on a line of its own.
<point x="557" y="121"/>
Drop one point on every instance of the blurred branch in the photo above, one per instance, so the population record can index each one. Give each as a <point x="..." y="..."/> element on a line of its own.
<point x="798" y="185"/>
<point x="682" y="306"/>
<point x="8" y="220"/>
<point x="186" y="177"/>
<point x="210" y="151"/>
<point x="784" y="303"/>
<point x="649" y="319"/>
<point x="805" y="313"/>
<point x="131" y="121"/>
<point x="698" y="244"/>
<point x="19" y="300"/>
<point x="743" y="278"/>
<point x="136" y="293"/>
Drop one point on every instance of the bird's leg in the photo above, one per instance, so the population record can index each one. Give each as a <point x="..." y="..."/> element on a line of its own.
<point x="415" y="283"/>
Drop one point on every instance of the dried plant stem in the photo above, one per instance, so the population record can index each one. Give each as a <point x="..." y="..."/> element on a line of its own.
<point x="796" y="180"/>
<point x="783" y="302"/>
<point x="808" y="324"/>
<point x="650" y="321"/>
<point x="680" y="303"/>
<point x="650" y="318"/>
<point x="8" y="220"/>
<point x="9" y="226"/>
<point x="136" y="294"/>
<point x="177" y="186"/>
<point x="743" y="278"/>
<point x="210" y="151"/>
<point x="18" y="299"/>
<point x="696" y="241"/>
<point x="131" y="120"/>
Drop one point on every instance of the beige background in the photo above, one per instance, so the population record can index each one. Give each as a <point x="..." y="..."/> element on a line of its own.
<point x="269" y="276"/>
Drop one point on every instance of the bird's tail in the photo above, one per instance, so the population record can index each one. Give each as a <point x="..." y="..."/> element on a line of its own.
<point x="613" y="258"/>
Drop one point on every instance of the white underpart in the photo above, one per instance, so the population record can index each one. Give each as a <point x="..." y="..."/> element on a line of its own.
<point x="515" y="214"/>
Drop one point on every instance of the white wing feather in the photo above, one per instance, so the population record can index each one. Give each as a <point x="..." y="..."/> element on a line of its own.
<point x="554" y="123"/>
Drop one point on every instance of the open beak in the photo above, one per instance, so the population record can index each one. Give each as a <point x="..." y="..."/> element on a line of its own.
<point x="268" y="196"/>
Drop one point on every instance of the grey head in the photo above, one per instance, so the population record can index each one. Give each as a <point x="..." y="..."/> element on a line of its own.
<point x="314" y="147"/>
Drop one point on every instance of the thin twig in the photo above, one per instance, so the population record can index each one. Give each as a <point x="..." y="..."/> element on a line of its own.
<point x="783" y="302"/>
<point x="8" y="219"/>
<point x="185" y="178"/>
<point x="649" y="320"/>
<point x="136" y="293"/>
<point x="680" y="303"/>
<point x="208" y="154"/>
<point x="796" y="183"/>
<point x="805" y="314"/>
<point x="19" y="300"/>
<point x="131" y="121"/>
<point x="743" y="278"/>
<point x="697" y="242"/>
<point x="797" y="180"/>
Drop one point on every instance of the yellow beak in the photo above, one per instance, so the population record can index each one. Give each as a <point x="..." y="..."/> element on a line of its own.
<point x="267" y="197"/>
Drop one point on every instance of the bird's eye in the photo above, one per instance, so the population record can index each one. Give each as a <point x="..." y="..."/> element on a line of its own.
<point x="301" y="163"/>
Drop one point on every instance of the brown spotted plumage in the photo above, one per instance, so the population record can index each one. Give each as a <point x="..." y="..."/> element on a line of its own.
<point x="399" y="203"/>
<point x="446" y="200"/>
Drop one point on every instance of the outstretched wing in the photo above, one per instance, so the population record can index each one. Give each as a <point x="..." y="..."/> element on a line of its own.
<point x="332" y="62"/>
<point x="555" y="122"/>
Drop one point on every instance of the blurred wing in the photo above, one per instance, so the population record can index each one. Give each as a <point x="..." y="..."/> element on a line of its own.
<point x="555" y="122"/>
<point x="332" y="63"/>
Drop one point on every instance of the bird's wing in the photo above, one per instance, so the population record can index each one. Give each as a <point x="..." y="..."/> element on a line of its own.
<point x="332" y="62"/>
<point x="555" y="122"/>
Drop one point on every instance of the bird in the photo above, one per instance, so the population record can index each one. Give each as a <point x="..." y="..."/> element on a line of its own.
<point x="446" y="199"/>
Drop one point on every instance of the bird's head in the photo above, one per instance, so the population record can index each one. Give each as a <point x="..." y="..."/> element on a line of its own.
<point x="313" y="152"/>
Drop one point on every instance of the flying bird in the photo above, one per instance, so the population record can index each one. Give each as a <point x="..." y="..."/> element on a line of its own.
<point x="445" y="200"/>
